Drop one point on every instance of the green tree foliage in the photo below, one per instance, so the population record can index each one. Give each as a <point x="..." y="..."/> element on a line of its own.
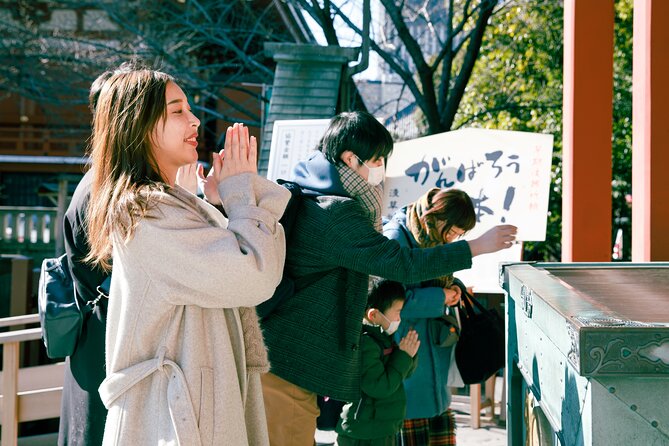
<point x="457" y="29"/>
<point x="517" y="85"/>
<point x="622" y="125"/>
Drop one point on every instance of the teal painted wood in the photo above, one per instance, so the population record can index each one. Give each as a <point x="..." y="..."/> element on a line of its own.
<point x="312" y="110"/>
<point x="600" y="377"/>
<point x="329" y="75"/>
<point x="317" y="98"/>
<point x="307" y="80"/>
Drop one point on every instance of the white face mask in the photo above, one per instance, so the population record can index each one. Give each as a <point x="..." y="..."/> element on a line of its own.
<point x="394" y="325"/>
<point x="376" y="175"/>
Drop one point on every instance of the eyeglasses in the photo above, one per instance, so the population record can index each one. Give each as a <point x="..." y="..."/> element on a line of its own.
<point x="454" y="233"/>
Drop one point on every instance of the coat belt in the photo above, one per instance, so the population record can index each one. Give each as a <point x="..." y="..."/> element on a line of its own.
<point x="181" y="410"/>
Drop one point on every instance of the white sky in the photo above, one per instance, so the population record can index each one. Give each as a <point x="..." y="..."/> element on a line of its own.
<point x="353" y="9"/>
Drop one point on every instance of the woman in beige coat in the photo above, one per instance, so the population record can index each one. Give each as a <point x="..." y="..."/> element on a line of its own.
<point x="183" y="347"/>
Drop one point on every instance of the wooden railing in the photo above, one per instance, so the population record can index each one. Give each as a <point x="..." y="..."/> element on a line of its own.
<point x="28" y="230"/>
<point x="30" y="140"/>
<point x="30" y="393"/>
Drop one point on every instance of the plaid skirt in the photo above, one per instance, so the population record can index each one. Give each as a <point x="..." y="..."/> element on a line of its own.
<point x="436" y="431"/>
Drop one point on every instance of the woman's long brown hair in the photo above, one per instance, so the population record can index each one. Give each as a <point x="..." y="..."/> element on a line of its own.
<point x="125" y="172"/>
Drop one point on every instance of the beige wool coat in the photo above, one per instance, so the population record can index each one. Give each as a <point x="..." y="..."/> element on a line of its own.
<point x="184" y="351"/>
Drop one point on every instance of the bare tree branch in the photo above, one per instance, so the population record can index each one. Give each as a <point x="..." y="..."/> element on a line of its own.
<point x="322" y="16"/>
<point x="413" y="48"/>
<point x="472" y="52"/>
<point x="446" y="54"/>
<point x="436" y="79"/>
<point x="447" y="45"/>
<point x="405" y="74"/>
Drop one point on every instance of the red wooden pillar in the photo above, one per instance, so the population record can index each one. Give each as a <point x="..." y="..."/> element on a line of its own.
<point x="650" y="154"/>
<point x="587" y="130"/>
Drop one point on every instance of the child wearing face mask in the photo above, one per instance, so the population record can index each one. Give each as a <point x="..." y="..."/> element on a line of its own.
<point x="377" y="416"/>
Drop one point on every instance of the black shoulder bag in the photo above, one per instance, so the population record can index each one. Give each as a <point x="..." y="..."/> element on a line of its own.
<point x="479" y="352"/>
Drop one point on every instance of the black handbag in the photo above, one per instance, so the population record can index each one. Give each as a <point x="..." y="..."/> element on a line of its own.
<point x="479" y="352"/>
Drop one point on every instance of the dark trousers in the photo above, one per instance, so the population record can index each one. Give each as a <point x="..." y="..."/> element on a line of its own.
<point x="82" y="414"/>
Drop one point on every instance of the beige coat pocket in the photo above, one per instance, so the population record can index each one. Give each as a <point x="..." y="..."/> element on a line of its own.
<point x="206" y="419"/>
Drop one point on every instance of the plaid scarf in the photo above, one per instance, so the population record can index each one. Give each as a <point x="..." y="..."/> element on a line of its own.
<point x="370" y="197"/>
<point x="425" y="230"/>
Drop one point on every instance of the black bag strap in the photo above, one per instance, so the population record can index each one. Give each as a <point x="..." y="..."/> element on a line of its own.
<point x="103" y="292"/>
<point x="469" y="302"/>
<point x="62" y="266"/>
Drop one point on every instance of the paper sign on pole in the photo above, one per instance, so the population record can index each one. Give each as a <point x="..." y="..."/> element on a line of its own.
<point x="506" y="174"/>
<point x="292" y="141"/>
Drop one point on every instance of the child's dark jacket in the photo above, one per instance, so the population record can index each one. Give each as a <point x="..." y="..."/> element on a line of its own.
<point x="380" y="411"/>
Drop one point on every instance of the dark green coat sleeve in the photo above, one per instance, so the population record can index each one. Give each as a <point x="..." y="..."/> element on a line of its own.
<point x="353" y="243"/>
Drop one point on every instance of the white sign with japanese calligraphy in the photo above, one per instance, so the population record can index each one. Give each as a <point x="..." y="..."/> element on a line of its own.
<point x="292" y="141"/>
<point x="506" y="174"/>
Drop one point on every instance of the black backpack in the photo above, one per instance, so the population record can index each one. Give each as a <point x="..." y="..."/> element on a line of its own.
<point x="286" y="288"/>
<point x="60" y="312"/>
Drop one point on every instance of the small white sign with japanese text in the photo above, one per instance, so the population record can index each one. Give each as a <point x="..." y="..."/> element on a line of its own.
<point x="292" y="141"/>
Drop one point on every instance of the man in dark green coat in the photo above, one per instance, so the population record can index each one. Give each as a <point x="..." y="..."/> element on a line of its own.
<point x="313" y="337"/>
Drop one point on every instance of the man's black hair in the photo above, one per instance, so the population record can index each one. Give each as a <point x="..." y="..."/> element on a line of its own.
<point x="359" y="132"/>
